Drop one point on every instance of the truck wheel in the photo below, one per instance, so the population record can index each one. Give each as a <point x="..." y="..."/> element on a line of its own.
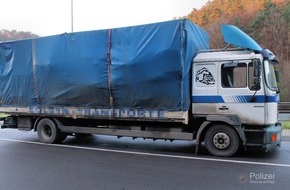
<point x="222" y="140"/>
<point x="48" y="132"/>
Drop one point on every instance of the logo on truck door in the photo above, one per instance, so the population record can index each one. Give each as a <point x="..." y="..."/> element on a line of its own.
<point x="204" y="76"/>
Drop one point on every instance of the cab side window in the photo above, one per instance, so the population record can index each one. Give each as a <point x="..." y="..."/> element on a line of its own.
<point x="234" y="75"/>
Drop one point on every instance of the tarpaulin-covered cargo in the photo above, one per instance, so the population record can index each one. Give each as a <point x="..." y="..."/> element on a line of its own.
<point x="141" y="67"/>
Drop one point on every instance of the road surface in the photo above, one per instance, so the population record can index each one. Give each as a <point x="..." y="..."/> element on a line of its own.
<point x="102" y="162"/>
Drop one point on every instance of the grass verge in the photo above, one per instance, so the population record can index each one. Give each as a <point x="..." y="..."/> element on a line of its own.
<point x="2" y="115"/>
<point x="286" y="124"/>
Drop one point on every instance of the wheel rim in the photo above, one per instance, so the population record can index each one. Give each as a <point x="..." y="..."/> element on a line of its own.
<point x="46" y="131"/>
<point x="221" y="140"/>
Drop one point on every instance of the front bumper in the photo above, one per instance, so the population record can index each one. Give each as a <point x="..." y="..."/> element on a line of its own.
<point x="272" y="137"/>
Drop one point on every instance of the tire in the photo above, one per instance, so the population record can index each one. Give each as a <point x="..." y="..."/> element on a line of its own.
<point x="48" y="132"/>
<point x="222" y="140"/>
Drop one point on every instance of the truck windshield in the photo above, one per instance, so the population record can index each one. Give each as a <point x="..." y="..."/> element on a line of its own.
<point x="270" y="75"/>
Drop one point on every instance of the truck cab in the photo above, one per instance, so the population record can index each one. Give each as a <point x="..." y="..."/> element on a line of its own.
<point x="244" y="95"/>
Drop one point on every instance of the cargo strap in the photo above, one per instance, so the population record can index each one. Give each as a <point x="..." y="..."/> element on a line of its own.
<point x="109" y="68"/>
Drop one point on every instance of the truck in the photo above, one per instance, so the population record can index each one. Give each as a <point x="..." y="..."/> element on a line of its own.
<point x="152" y="81"/>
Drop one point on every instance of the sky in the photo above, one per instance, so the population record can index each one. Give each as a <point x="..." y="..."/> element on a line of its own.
<point x="50" y="17"/>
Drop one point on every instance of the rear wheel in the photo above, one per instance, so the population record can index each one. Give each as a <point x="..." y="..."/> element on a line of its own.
<point x="222" y="140"/>
<point x="48" y="132"/>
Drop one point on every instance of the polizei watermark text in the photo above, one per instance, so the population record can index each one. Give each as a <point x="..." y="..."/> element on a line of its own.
<point x="262" y="177"/>
<point x="257" y="178"/>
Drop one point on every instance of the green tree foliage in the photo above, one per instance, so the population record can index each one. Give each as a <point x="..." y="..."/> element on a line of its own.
<point x="267" y="21"/>
<point x="6" y="35"/>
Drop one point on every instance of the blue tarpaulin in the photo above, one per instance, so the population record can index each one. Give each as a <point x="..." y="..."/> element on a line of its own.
<point x="138" y="67"/>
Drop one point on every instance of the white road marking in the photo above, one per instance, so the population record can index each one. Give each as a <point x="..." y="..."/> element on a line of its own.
<point x="151" y="154"/>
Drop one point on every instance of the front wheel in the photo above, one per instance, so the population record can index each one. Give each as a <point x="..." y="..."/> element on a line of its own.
<point x="222" y="140"/>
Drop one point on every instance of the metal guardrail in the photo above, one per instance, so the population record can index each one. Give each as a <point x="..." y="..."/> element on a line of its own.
<point x="284" y="111"/>
<point x="284" y="107"/>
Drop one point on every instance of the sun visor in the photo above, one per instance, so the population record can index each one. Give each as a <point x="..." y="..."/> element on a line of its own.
<point x="235" y="36"/>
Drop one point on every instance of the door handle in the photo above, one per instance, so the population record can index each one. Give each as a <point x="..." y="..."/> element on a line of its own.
<point x="224" y="108"/>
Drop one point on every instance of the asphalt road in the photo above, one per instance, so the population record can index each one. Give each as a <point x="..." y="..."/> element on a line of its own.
<point x="101" y="162"/>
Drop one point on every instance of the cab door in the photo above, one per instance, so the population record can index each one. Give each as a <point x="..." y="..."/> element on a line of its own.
<point x="240" y="93"/>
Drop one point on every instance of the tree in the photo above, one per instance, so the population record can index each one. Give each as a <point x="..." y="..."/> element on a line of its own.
<point x="214" y="31"/>
<point x="266" y="21"/>
<point x="6" y="35"/>
<point x="270" y="29"/>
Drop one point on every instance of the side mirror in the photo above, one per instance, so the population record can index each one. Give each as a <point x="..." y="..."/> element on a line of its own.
<point x="257" y="68"/>
<point x="257" y="74"/>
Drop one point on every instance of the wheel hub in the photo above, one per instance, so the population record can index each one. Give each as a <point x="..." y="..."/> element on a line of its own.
<point x="46" y="131"/>
<point x="221" y="140"/>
